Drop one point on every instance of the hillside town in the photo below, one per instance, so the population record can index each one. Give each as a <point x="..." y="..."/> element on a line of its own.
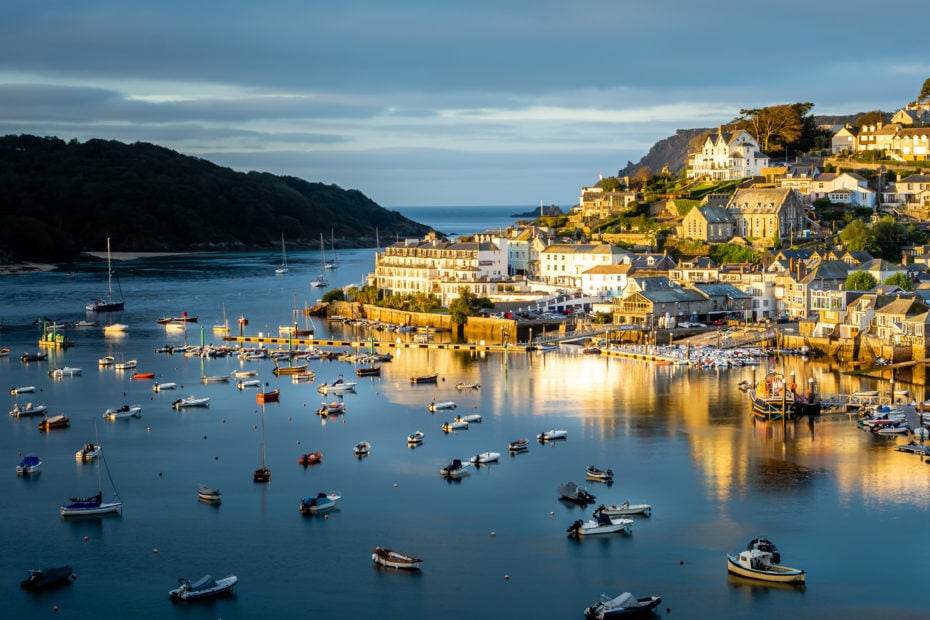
<point x="795" y="266"/>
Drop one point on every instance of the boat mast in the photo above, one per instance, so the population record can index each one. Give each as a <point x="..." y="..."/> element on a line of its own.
<point x="109" y="274"/>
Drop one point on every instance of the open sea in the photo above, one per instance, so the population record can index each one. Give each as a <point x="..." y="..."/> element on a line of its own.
<point x="838" y="502"/>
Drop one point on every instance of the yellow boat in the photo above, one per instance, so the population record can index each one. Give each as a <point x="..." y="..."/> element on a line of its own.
<point x="756" y="564"/>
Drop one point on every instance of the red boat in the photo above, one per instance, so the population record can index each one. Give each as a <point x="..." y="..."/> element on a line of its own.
<point x="267" y="397"/>
<point x="144" y="375"/>
<point x="310" y="458"/>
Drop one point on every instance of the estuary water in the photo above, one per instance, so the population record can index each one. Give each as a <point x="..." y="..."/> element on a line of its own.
<point x="838" y="502"/>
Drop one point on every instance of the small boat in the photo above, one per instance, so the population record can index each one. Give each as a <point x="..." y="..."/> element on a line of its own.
<point x="115" y="328"/>
<point x="38" y="356"/>
<point x="455" y="425"/>
<point x="209" y="494"/>
<point x="168" y="385"/>
<point x="519" y="445"/>
<point x="165" y="320"/>
<point x="4" y="351"/>
<point x="445" y="404"/>
<point x="204" y="587"/>
<point x="304" y="377"/>
<point x="248" y="383"/>
<point x="394" y="559"/>
<point x="337" y="385"/>
<point x="89" y="506"/>
<point x="433" y="378"/>
<point x="764" y="544"/>
<point x="467" y="386"/>
<point x="124" y="411"/>
<point x="143" y="376"/>
<point x="191" y="401"/>
<point x="368" y="371"/>
<point x="56" y="421"/>
<point x="67" y="371"/>
<point x="29" y="465"/>
<point x="756" y="564"/>
<point x="310" y="458"/>
<point x="625" y="509"/>
<point x="603" y="525"/>
<point x="624" y="605"/>
<point x="268" y="397"/>
<point x="472" y="418"/>
<point x="289" y="370"/>
<point x="28" y="409"/>
<point x="415" y="439"/>
<point x="283" y="268"/>
<point x="321" y="502"/>
<point x="127" y="365"/>
<point x="551" y="435"/>
<point x="46" y="578"/>
<point x="106" y="360"/>
<point x="215" y="379"/>
<point x="26" y="389"/>
<point x="333" y="408"/>
<point x="573" y="493"/>
<point x="244" y="374"/>
<point x="362" y="448"/>
<point x="455" y="469"/>
<point x="602" y="475"/>
<point x="484" y="458"/>
<point x="88" y="452"/>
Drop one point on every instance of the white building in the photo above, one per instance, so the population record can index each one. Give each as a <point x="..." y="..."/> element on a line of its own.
<point x="845" y="188"/>
<point x="562" y="264"/>
<point x="727" y="156"/>
<point x="605" y="280"/>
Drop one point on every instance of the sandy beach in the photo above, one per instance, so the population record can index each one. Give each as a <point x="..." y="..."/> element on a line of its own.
<point x="15" y="268"/>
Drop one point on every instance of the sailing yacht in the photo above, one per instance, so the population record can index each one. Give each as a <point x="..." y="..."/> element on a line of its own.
<point x="320" y="280"/>
<point x="331" y="263"/>
<point x="283" y="268"/>
<point x="108" y="304"/>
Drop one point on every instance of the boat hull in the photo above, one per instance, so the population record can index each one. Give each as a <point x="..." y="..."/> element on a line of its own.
<point x="102" y="508"/>
<point x="393" y="559"/>
<point x="219" y="587"/>
<point x="777" y="574"/>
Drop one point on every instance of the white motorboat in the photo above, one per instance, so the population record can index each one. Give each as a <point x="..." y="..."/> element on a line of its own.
<point x="26" y="389"/>
<point x="244" y="374"/>
<point x="191" y="401"/>
<point x="209" y="494"/>
<point x="124" y="411"/>
<point x="394" y="559"/>
<point x="204" y="587"/>
<point x="603" y="525"/>
<point x="29" y="465"/>
<point x="472" y="418"/>
<point x="127" y="365"/>
<point x="28" y="409"/>
<point x="625" y="509"/>
<point x="455" y="469"/>
<point x="248" y="383"/>
<point x="321" y="502"/>
<point x="602" y="475"/>
<point x="115" y="329"/>
<point x="444" y="404"/>
<point x="756" y="564"/>
<point x="455" y="425"/>
<point x="362" y="448"/>
<point x="624" y="605"/>
<point x="215" y="379"/>
<point x="337" y="385"/>
<point x="485" y="457"/>
<point x="88" y="452"/>
<point x="106" y="360"/>
<point x="168" y="385"/>
<point x="552" y="434"/>
<point x="67" y="371"/>
<point x="415" y="439"/>
<point x="467" y="386"/>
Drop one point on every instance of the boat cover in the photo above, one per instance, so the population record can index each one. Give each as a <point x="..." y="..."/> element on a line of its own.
<point x="204" y="583"/>
<point x="30" y="460"/>
<point x="624" y="600"/>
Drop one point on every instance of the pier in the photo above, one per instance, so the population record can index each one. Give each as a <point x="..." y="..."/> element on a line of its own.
<point x="390" y="344"/>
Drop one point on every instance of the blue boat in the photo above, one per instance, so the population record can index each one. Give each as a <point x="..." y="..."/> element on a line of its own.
<point x="29" y="465"/>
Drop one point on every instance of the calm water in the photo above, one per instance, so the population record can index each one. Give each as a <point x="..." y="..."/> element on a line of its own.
<point x="455" y="221"/>
<point x="838" y="503"/>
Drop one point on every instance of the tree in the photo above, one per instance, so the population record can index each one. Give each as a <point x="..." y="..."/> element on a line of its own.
<point x="779" y="120"/>
<point x="860" y="281"/>
<point x="856" y="237"/>
<point x="611" y="184"/>
<point x="870" y="118"/>
<point x="925" y="90"/>
<point x="642" y="177"/>
<point x="461" y="307"/>
<point x="335" y="294"/>
<point x="900" y="279"/>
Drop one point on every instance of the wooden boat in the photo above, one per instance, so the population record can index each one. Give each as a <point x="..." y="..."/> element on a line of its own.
<point x="321" y="502"/>
<point x="455" y="425"/>
<point x="67" y="371"/>
<point x="244" y="374"/>
<point x="484" y="458"/>
<point x="455" y="469"/>
<point x="368" y="371"/>
<point x="88" y="452"/>
<point x="127" y="365"/>
<point x="191" y="401"/>
<point x="551" y="435"/>
<point x="333" y="408"/>
<point x="394" y="559"/>
<point x="28" y="409"/>
<point x="26" y="389"/>
<point x="29" y="465"/>
<point x="625" y="509"/>
<point x="445" y="404"/>
<point x="139" y="376"/>
<point x="310" y="458"/>
<point x="519" y="445"/>
<point x="209" y="494"/>
<point x="415" y="439"/>
<point x="603" y="525"/>
<point x="362" y="448"/>
<point x="168" y="385"/>
<point x="56" y="421"/>
<point x="756" y="564"/>
<point x="289" y="370"/>
<point x="47" y="578"/>
<point x="467" y="386"/>
<point x="303" y="377"/>
<point x="90" y="506"/>
<point x="248" y="383"/>
<point x="595" y="473"/>
<point x="433" y="378"/>
<point x="268" y="397"/>
<point x="215" y="379"/>
<point x="571" y="492"/>
<point x="619" y="606"/>
<point x="204" y="587"/>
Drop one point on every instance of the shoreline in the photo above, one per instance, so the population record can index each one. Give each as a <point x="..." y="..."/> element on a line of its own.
<point x="18" y="268"/>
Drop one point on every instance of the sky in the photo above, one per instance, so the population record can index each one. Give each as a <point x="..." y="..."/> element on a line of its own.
<point x="440" y="102"/>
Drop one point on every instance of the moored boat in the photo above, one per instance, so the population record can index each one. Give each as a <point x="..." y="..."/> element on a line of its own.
<point x="191" y="401"/>
<point x="519" y="445"/>
<point x="362" y="448"/>
<point x="472" y="418"/>
<point x="603" y="525"/>
<point x="208" y="494"/>
<point x="445" y="404"/>
<point x="321" y="502"/>
<point x="268" y="397"/>
<point x="571" y="492"/>
<point x="625" y="509"/>
<point x="28" y="465"/>
<point x="126" y="365"/>
<point x="602" y="475"/>
<point x="143" y="375"/>
<point x="25" y="389"/>
<point x="66" y="371"/>
<point x="455" y="469"/>
<point x="123" y="411"/>
<point x="368" y="371"/>
<point x="204" y="587"/>
<point x="168" y="385"/>
<point x="28" y="409"/>
<point x="310" y="458"/>
<point x="248" y="383"/>
<point x="467" y="386"/>
<point x="551" y="435"/>
<point x="289" y="370"/>
<point x="244" y="374"/>
<point x="394" y="559"/>
<point x="623" y="605"/>
<point x="333" y="408"/>
<point x="764" y="544"/>
<point x="38" y="356"/>
<point x="415" y="439"/>
<point x="455" y="425"/>
<point x="90" y="506"/>
<point x="47" y="578"/>
<point x="215" y="379"/>
<point x="484" y="458"/>
<point x="756" y="564"/>
<point x="89" y="452"/>
<point x="56" y="421"/>
<point x="337" y="385"/>
<point x="433" y="378"/>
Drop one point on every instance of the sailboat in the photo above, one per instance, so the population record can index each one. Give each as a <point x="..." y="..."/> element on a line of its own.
<point x="94" y="505"/>
<point x="224" y="328"/>
<point x="331" y="263"/>
<point x="320" y="280"/>
<point x="262" y="474"/>
<point x="106" y="305"/>
<point x="283" y="268"/>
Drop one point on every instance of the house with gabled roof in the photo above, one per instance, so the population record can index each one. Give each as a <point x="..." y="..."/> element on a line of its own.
<point x="844" y="140"/>
<point x="766" y="213"/>
<point x="898" y="321"/>
<point x="725" y="300"/>
<point x="911" y="117"/>
<point x="877" y="137"/>
<point x="727" y="156"/>
<point x="829" y="275"/>
<point x="880" y="269"/>
<point x="646" y="300"/>
<point x="561" y="264"/>
<point x="606" y="280"/>
<point x="843" y="188"/>
<point x="712" y="224"/>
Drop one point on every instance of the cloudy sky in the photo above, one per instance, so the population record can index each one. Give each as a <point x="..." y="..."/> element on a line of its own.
<point x="439" y="102"/>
